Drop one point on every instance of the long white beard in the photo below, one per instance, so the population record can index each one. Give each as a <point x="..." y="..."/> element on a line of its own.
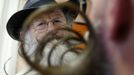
<point x="31" y="45"/>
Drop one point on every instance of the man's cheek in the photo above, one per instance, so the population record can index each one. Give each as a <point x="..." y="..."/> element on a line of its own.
<point x="39" y="34"/>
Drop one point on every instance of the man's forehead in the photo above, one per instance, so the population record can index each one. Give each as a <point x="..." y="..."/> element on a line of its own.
<point x="53" y="12"/>
<point x="50" y="13"/>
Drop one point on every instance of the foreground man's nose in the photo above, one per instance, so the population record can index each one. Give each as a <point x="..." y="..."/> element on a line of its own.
<point x="50" y="26"/>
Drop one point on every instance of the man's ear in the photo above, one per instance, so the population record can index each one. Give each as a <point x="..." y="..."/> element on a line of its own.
<point x="21" y="35"/>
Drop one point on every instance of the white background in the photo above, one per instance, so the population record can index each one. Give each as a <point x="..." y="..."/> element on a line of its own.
<point x="8" y="46"/>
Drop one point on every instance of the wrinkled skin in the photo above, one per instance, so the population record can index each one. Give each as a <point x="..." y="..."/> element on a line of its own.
<point x="114" y="20"/>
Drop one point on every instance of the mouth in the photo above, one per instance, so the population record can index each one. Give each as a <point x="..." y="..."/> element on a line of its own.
<point x="122" y="21"/>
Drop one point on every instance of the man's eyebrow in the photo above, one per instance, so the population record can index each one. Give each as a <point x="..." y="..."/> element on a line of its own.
<point x="58" y="17"/>
<point x="57" y="14"/>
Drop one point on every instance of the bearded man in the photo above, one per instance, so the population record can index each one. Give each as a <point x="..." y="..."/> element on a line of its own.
<point x="113" y="23"/>
<point x="40" y="26"/>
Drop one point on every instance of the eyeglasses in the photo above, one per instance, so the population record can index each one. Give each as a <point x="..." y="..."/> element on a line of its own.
<point x="39" y="24"/>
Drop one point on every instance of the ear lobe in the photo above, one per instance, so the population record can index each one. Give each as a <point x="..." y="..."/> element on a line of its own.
<point x="21" y="35"/>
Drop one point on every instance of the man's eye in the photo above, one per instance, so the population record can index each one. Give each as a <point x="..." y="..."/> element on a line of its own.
<point x="57" y="21"/>
<point x="40" y="24"/>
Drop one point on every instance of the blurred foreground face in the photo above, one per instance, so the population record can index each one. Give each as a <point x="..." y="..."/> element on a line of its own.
<point x="114" y="20"/>
<point x="47" y="22"/>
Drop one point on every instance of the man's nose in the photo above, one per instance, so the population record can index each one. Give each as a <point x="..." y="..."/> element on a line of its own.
<point x="50" y="26"/>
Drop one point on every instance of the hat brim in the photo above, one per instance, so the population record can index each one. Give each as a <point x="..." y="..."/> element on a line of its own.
<point x="15" y="23"/>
